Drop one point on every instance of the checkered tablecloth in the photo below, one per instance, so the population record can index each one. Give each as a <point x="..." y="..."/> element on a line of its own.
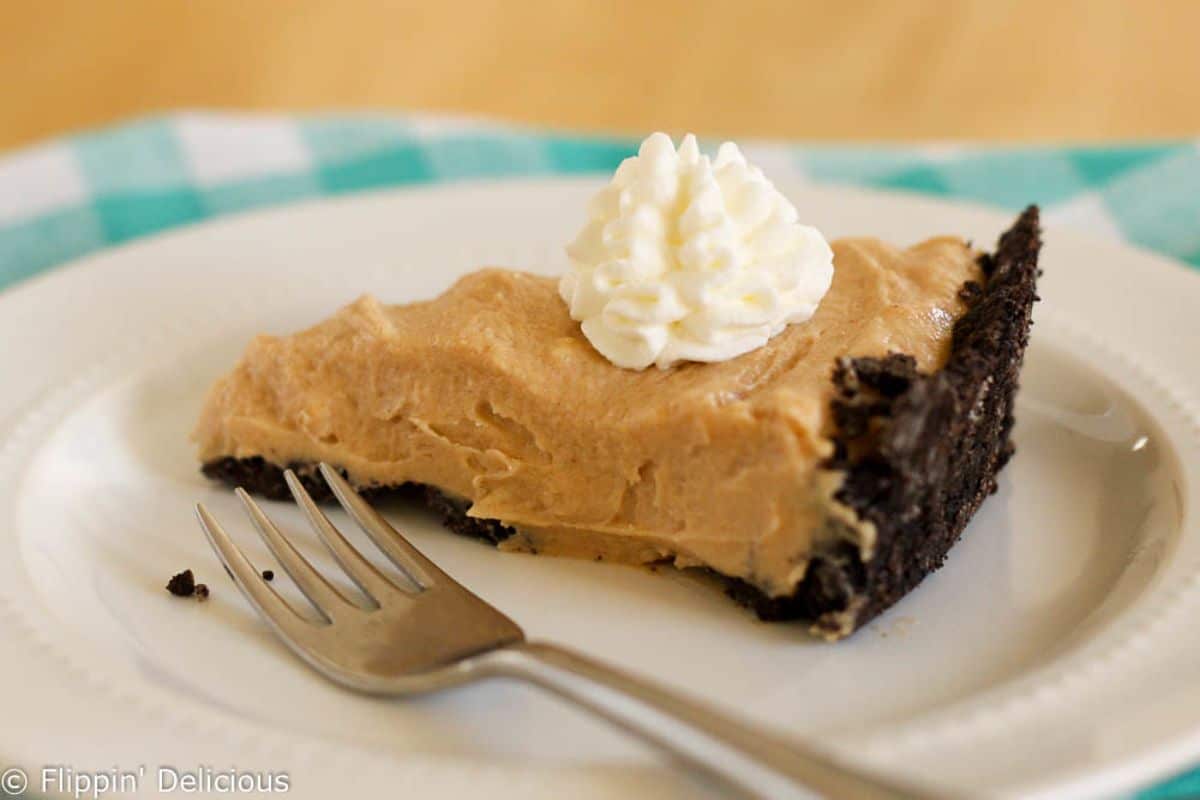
<point x="72" y="196"/>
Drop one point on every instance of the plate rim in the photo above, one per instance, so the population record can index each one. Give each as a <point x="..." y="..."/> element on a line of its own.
<point x="48" y="281"/>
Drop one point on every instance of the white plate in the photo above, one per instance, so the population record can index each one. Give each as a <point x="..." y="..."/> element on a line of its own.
<point x="1054" y="654"/>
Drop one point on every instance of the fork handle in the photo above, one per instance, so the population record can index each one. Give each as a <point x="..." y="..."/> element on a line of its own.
<point x="758" y="763"/>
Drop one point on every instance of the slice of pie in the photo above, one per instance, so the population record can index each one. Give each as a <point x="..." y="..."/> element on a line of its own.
<point x="823" y="475"/>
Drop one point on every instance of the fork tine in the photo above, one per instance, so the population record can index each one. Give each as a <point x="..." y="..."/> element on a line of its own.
<point x="373" y="583"/>
<point x="411" y="561"/>
<point x="265" y="600"/>
<point x="326" y="599"/>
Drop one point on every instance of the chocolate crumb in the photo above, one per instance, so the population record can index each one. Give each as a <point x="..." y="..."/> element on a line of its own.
<point x="182" y="584"/>
<point x="268" y="575"/>
<point x="970" y="292"/>
<point x="201" y="592"/>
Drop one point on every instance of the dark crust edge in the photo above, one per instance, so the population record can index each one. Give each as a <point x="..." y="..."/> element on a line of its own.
<point x="261" y="477"/>
<point x="918" y="453"/>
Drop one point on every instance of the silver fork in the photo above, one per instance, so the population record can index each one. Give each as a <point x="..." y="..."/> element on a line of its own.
<point x="435" y="634"/>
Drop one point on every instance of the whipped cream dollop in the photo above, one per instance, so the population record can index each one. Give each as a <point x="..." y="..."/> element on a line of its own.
<point x="687" y="258"/>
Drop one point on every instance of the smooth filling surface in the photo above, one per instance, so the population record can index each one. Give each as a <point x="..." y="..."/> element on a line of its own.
<point x="490" y="392"/>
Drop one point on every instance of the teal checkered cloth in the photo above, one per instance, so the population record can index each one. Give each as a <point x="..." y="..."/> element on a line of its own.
<point x="73" y="196"/>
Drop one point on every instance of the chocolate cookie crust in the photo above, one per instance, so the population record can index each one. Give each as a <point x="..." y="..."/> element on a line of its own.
<point x="917" y="452"/>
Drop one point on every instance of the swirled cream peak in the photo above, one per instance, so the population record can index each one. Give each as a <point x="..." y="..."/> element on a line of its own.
<point x="687" y="258"/>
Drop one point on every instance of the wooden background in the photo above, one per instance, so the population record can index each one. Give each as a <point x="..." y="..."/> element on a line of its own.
<point x="839" y="69"/>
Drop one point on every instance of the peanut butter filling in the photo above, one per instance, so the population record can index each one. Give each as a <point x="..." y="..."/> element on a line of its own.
<point x="490" y="392"/>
